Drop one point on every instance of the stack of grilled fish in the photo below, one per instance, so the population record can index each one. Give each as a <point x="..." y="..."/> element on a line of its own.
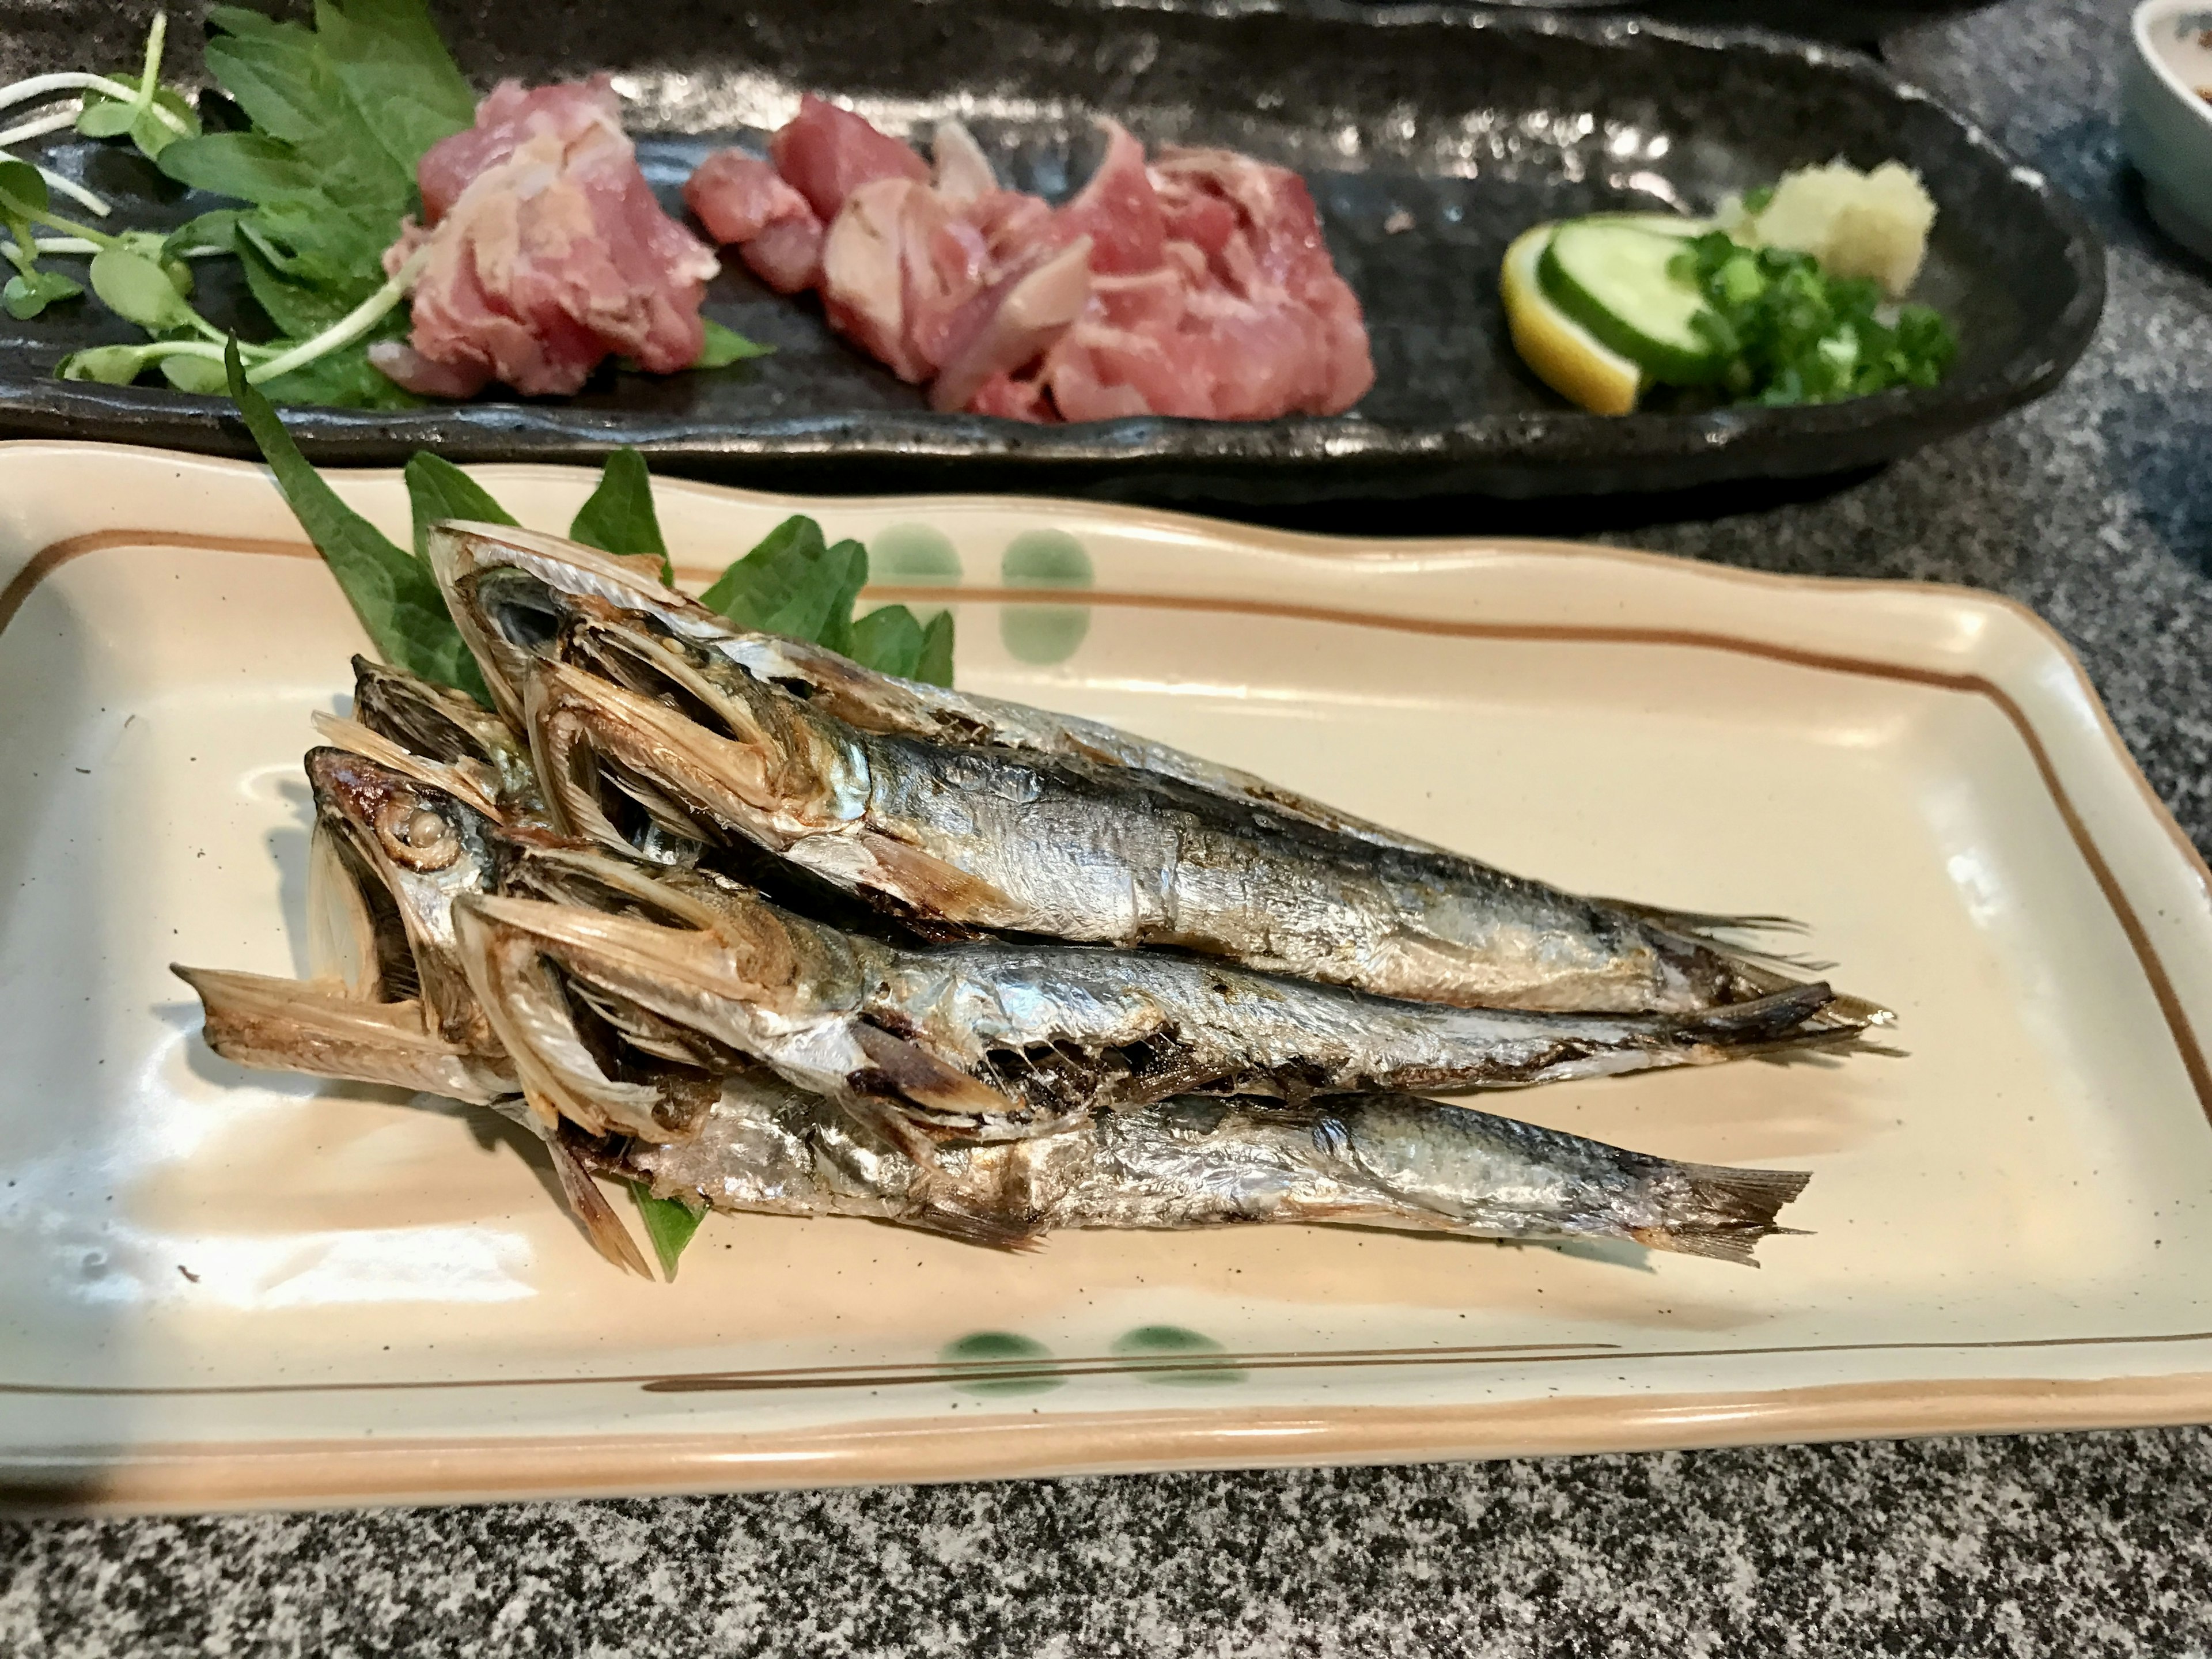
<point x="725" y="914"/>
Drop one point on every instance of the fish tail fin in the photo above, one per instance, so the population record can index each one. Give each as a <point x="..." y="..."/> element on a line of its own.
<point x="1757" y="972"/>
<point x="1806" y="1015"/>
<point x="1020" y="1234"/>
<point x="1758" y="976"/>
<point x="1722" y="1213"/>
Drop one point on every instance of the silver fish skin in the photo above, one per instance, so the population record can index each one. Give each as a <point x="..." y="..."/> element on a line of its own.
<point x="994" y="840"/>
<point x="506" y="621"/>
<point x="1387" y="1160"/>
<point x="998" y="1040"/>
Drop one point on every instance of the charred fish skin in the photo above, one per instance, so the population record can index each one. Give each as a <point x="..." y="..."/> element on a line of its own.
<point x="999" y="1041"/>
<point x="1389" y="1161"/>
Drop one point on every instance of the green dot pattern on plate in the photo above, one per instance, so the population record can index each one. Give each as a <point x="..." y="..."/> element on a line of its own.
<point x="1044" y="633"/>
<point x="1158" y="1342"/>
<point x="998" y="1362"/>
<point x="915" y="556"/>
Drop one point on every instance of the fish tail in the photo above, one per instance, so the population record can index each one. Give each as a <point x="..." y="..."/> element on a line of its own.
<point x="1757" y="976"/>
<point x="1756" y="973"/>
<point x="1017" y="1234"/>
<point x="1804" y="1014"/>
<point x="1722" y="1213"/>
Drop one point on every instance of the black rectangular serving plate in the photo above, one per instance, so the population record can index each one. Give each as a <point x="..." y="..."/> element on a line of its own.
<point x="1429" y="138"/>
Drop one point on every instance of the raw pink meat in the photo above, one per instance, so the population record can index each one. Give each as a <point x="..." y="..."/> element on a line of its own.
<point x="1117" y="210"/>
<point x="826" y="153"/>
<point x="739" y="196"/>
<point x="1199" y="286"/>
<point x="547" y="253"/>
<point x="742" y="199"/>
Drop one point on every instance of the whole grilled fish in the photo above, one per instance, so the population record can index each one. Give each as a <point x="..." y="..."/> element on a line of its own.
<point x="672" y="729"/>
<point x="1387" y="1160"/>
<point x="994" y="1040"/>
<point x="510" y="590"/>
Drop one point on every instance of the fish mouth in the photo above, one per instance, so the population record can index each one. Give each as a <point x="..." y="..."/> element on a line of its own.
<point x="579" y="1056"/>
<point x="425" y="720"/>
<point x="742" y="984"/>
<point x="509" y="589"/>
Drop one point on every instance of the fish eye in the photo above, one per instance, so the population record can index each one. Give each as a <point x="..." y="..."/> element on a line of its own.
<point x="415" y="835"/>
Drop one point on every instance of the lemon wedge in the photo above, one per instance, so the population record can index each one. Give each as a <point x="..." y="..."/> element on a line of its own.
<point x="1566" y="356"/>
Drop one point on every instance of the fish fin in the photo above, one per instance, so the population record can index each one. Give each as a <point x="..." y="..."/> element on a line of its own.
<point x="1804" y="1016"/>
<point x="1758" y="974"/>
<point x="922" y="1077"/>
<point x="1702" y="924"/>
<point x="895" y="1128"/>
<point x="594" y="1213"/>
<point x="1762" y="973"/>
<point x="1018" y="1236"/>
<point x="1724" y="1213"/>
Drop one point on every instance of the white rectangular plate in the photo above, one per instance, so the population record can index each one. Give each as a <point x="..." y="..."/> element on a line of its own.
<point x="227" y="1287"/>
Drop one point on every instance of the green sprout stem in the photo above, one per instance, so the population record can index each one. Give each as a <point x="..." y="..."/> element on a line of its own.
<point x="39" y="125"/>
<point x="12" y="210"/>
<point x="348" y="328"/>
<point x="77" y="81"/>
<point x="149" y="78"/>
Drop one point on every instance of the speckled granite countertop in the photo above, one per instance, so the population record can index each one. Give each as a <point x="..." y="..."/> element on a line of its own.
<point x="2094" y="507"/>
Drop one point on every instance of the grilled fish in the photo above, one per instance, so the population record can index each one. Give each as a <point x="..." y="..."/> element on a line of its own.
<point x="994" y="1040"/>
<point x="510" y="590"/>
<point x="687" y="737"/>
<point x="1388" y="1160"/>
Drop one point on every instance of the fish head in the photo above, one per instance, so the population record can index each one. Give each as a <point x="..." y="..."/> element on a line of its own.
<point x="509" y="589"/>
<point x="614" y="761"/>
<point x="392" y="854"/>
<point x="440" y="724"/>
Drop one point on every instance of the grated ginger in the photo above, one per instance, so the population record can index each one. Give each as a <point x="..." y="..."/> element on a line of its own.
<point x="1856" y="224"/>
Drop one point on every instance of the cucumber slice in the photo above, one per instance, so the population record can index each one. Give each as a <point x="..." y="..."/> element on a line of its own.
<point x="1611" y="278"/>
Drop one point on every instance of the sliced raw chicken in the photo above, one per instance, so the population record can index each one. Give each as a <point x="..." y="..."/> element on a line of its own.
<point x="1199" y="286"/>
<point x="547" y="253"/>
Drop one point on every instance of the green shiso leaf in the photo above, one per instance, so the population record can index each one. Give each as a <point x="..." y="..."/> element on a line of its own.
<point x="390" y="589"/>
<point x="669" y="1222"/>
<point x="619" y="516"/>
<point x="436" y="490"/>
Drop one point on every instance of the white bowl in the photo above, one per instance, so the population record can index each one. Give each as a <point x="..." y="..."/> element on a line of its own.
<point x="2165" y="120"/>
